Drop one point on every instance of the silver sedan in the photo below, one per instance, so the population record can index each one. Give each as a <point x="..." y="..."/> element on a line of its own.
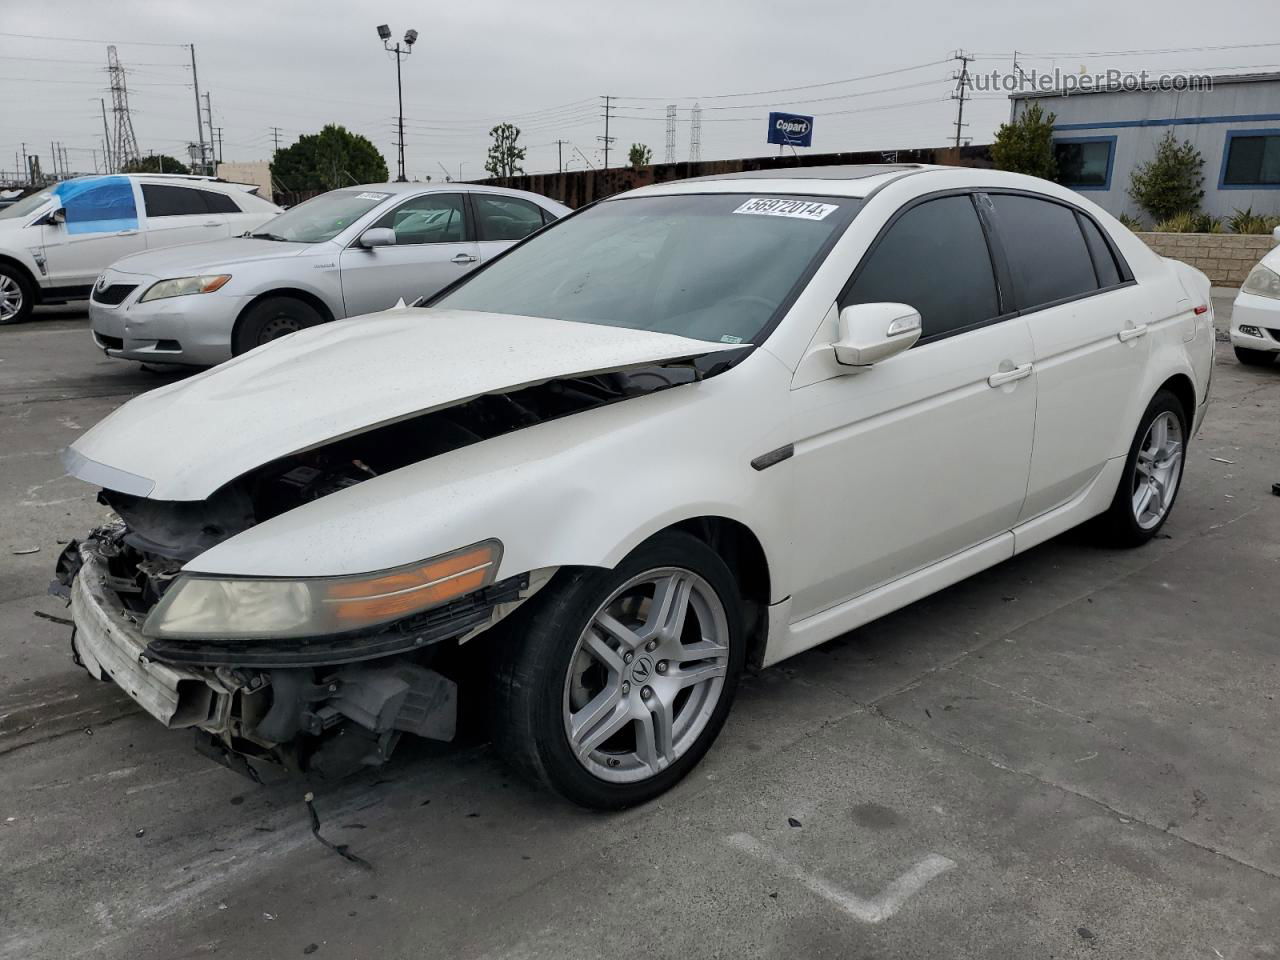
<point x="342" y="254"/>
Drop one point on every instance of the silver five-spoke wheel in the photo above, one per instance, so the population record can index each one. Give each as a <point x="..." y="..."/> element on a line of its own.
<point x="646" y="675"/>
<point x="1157" y="470"/>
<point x="10" y="298"/>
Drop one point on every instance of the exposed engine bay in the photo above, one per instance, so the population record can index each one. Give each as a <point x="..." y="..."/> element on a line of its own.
<point x="328" y="704"/>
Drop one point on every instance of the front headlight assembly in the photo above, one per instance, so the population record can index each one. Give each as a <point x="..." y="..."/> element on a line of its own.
<point x="199" y="607"/>
<point x="185" y="286"/>
<point x="1262" y="282"/>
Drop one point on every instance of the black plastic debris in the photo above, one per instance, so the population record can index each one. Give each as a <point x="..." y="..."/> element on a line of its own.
<point x="339" y="848"/>
<point x="793" y="822"/>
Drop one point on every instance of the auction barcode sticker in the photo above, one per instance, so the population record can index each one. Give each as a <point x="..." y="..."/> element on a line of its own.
<point x="799" y="209"/>
<point x="372" y="196"/>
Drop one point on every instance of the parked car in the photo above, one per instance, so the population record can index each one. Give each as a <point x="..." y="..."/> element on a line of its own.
<point x="345" y="253"/>
<point x="1255" y="317"/>
<point x="55" y="243"/>
<point x="691" y="427"/>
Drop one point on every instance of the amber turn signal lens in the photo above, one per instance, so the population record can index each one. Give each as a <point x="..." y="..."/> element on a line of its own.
<point x="394" y="595"/>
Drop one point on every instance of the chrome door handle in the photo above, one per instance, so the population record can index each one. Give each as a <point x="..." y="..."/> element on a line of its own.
<point x="1000" y="378"/>
<point x="126" y="233"/>
<point x="465" y="258"/>
<point x="1132" y="333"/>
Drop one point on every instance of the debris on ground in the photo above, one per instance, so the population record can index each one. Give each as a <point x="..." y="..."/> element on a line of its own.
<point x="23" y="551"/>
<point x="52" y="619"/>
<point x="339" y="848"/>
<point x="792" y="821"/>
<point x="1222" y="460"/>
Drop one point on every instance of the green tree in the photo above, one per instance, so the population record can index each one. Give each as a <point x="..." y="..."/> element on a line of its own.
<point x="156" y="163"/>
<point x="1026" y="144"/>
<point x="1169" y="183"/>
<point x="505" y="154"/>
<point x="640" y="155"/>
<point x="334" y="157"/>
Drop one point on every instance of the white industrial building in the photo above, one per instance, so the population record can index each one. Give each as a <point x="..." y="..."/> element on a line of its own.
<point x="1101" y="135"/>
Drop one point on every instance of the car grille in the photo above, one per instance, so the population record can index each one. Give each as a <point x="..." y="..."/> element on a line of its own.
<point x="1275" y="333"/>
<point x="113" y="294"/>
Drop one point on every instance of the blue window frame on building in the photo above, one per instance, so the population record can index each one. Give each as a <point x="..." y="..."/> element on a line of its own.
<point x="1251" y="160"/>
<point x="1084" y="163"/>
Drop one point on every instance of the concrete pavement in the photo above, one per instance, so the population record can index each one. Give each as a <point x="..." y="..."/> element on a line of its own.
<point x="1069" y="755"/>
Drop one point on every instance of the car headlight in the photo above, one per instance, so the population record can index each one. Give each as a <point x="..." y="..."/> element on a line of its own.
<point x="184" y="286"/>
<point x="204" y="607"/>
<point x="1262" y="282"/>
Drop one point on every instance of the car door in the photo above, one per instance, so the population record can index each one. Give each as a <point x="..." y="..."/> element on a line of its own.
<point x="98" y="226"/>
<point x="927" y="453"/>
<point x="502" y="220"/>
<point x="433" y="248"/>
<point x="179" y="214"/>
<point x="1087" y="321"/>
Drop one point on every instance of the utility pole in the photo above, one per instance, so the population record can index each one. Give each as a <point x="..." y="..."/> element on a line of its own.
<point x="560" y="154"/>
<point x="108" y="166"/>
<point x="962" y="82"/>
<point x="606" y="139"/>
<point x="26" y="167"/>
<point x="195" y="80"/>
<point x="218" y="140"/>
<point x="275" y="136"/>
<point x="208" y="114"/>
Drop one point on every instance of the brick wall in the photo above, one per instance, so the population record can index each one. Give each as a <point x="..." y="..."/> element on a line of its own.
<point x="1226" y="258"/>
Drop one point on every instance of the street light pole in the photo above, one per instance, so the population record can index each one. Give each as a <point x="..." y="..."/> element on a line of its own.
<point x="410" y="38"/>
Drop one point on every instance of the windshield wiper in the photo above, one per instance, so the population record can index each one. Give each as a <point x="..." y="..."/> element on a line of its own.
<point x="269" y="236"/>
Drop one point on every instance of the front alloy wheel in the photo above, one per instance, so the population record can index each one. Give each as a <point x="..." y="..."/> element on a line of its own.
<point x="612" y="684"/>
<point x="15" y="301"/>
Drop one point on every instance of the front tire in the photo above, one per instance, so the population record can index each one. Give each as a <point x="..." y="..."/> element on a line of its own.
<point x="1254" y="358"/>
<point x="1152" y="474"/>
<point x="272" y="318"/>
<point x="615" y="683"/>
<point x="17" y="297"/>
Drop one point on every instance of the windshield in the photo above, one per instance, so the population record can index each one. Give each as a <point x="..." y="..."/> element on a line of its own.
<point x="321" y="218"/>
<point x="26" y="206"/>
<point x="708" y="266"/>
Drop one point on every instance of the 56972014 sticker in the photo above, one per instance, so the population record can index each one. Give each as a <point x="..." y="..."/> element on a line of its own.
<point x="372" y="196"/>
<point x="777" y="207"/>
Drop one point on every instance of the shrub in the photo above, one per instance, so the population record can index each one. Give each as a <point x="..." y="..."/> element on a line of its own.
<point x="1246" y="221"/>
<point x="1169" y="183"/>
<point x="1026" y="144"/>
<point x="1133" y="223"/>
<point x="1188" y="222"/>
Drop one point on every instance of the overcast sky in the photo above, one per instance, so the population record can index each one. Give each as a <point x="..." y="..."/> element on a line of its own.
<point x="298" y="64"/>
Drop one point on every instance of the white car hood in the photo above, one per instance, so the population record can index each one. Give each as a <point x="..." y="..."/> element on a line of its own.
<point x="185" y="440"/>
<point x="190" y="259"/>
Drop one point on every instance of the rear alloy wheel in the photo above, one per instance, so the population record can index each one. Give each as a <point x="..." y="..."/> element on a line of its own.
<point x="620" y="679"/>
<point x="1152" y="474"/>
<point x="270" y="319"/>
<point x="16" y="297"/>
<point x="1254" y="358"/>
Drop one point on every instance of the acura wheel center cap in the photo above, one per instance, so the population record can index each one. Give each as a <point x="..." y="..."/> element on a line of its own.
<point x="641" y="670"/>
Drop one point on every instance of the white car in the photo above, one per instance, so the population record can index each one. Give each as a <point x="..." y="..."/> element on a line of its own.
<point x="55" y="243"/>
<point x="688" y="428"/>
<point x="1255" y="316"/>
<point x="345" y="253"/>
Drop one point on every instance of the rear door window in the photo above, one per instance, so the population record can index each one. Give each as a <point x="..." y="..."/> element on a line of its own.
<point x="1046" y="249"/>
<point x="934" y="257"/>
<point x="162" y="200"/>
<point x="505" y="218"/>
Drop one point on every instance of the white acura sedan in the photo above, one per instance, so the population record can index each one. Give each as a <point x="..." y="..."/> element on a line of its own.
<point x="689" y="428"/>
<point x="1255" y="316"/>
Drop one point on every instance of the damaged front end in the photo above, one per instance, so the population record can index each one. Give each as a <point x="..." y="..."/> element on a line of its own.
<point x="364" y="659"/>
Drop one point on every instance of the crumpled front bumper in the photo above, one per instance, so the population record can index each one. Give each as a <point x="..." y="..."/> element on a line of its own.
<point x="111" y="646"/>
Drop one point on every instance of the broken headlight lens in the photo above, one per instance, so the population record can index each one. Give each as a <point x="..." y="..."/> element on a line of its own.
<point x="197" y="607"/>
<point x="1262" y="282"/>
<point x="184" y="286"/>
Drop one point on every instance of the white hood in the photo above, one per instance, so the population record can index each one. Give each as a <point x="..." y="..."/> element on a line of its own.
<point x="185" y="440"/>
<point x="188" y="259"/>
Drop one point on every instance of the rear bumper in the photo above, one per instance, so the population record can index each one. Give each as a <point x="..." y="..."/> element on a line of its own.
<point x="111" y="647"/>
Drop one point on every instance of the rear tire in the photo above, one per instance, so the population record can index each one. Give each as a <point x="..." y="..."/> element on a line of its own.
<point x="272" y="318"/>
<point x="1152" y="474"/>
<point x="1254" y="358"/>
<point x="610" y="721"/>
<point x="17" y="295"/>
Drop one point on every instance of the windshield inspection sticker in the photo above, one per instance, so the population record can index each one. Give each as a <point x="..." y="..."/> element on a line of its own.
<point x="799" y="209"/>
<point x="372" y="196"/>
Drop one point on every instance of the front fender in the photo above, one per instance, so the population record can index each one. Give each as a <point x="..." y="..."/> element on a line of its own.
<point x="583" y="490"/>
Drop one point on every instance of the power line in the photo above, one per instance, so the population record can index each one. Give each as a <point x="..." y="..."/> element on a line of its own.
<point x="1130" y="53"/>
<point x="807" y="86"/>
<point x="96" y="40"/>
<point x="803" y="102"/>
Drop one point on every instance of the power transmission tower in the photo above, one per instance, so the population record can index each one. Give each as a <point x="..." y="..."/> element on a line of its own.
<point x="671" y="133"/>
<point x="606" y="139"/>
<point x="208" y="114"/>
<point x="961" y="77"/>
<point x="108" y="157"/>
<point x="695" y="133"/>
<point x="126" y="143"/>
